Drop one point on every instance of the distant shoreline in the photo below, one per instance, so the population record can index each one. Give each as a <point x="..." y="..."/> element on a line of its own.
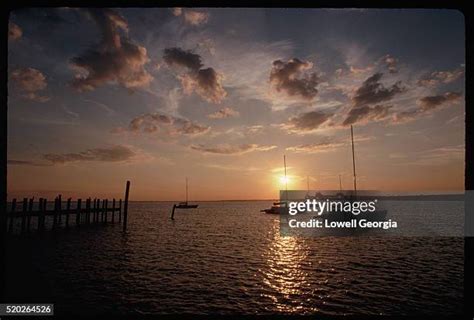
<point x="431" y="197"/>
<point x="427" y="197"/>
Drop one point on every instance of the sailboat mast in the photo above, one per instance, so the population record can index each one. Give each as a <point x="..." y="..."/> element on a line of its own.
<point x="186" y="189"/>
<point x="340" y="184"/>
<point x="286" y="179"/>
<point x="353" y="163"/>
<point x="307" y="184"/>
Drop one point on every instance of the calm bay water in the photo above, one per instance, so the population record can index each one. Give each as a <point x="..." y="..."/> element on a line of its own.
<point x="228" y="258"/>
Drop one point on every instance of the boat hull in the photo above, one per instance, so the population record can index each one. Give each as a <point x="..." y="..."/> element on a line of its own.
<point x="186" y="206"/>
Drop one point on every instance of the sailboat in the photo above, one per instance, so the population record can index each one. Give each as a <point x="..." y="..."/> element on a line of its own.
<point x="281" y="206"/>
<point x="377" y="214"/>
<point x="185" y="204"/>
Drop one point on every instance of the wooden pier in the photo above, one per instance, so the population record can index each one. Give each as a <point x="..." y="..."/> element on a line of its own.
<point x="31" y="215"/>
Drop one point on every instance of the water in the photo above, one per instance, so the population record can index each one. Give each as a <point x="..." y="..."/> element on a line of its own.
<point x="228" y="258"/>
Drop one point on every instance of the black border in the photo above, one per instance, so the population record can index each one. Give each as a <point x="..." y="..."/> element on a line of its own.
<point x="462" y="6"/>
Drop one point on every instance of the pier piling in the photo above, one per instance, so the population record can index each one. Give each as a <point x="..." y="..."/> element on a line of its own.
<point x="91" y="212"/>
<point x="125" y="207"/>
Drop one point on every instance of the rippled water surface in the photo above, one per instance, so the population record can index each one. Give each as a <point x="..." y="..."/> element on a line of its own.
<point x="228" y="258"/>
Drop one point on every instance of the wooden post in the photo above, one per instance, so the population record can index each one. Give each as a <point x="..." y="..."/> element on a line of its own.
<point x="98" y="211"/>
<point x="172" y="212"/>
<point x="113" y="210"/>
<point x="93" y="206"/>
<point x="23" y="217"/>
<point x="125" y="207"/>
<point x="40" y="207"/>
<point x="105" y="210"/>
<point x="78" y="214"/>
<point x="43" y="214"/>
<point x="68" y="207"/>
<point x="88" y="211"/>
<point x="120" y="210"/>
<point x="102" y="211"/>
<point x="95" y="211"/>
<point x="12" y="214"/>
<point x="55" y="213"/>
<point x="30" y="212"/>
<point x="60" y="209"/>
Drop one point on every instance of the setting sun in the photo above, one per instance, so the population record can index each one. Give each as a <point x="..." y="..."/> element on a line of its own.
<point x="284" y="180"/>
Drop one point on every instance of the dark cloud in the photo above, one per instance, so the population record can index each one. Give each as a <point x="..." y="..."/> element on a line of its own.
<point x="30" y="82"/>
<point x="439" y="77"/>
<point x="307" y="121"/>
<point x="114" y="59"/>
<point x="290" y="78"/>
<point x="372" y="91"/>
<point x="206" y="82"/>
<point x="182" y="58"/>
<point x="229" y="150"/>
<point x="156" y="122"/>
<point x="223" y="113"/>
<point x="431" y="102"/>
<point x="111" y="154"/>
<point x="427" y="105"/>
<point x="14" y="31"/>
<point x="366" y="113"/>
<point x="25" y="163"/>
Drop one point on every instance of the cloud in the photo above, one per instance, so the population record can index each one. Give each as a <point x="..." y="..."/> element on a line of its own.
<point x="372" y="91"/>
<point x="438" y="156"/>
<point x="308" y="121"/>
<point x="232" y="150"/>
<point x="206" y="82"/>
<point x="115" y="59"/>
<point x="406" y="116"/>
<point x="232" y="168"/>
<point x="365" y="114"/>
<point x="391" y="63"/>
<point x="224" y="113"/>
<point x="24" y="163"/>
<point x="192" y="17"/>
<point x="182" y="58"/>
<point x="432" y="102"/>
<point x="30" y="81"/>
<point x="14" y="31"/>
<point x="116" y="153"/>
<point x="439" y="77"/>
<point x="156" y="122"/>
<point x="291" y="78"/>
<point x="427" y="105"/>
<point x="177" y="11"/>
<point x="327" y="145"/>
<point x="316" y="147"/>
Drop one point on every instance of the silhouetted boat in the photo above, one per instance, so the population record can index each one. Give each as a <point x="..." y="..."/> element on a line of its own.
<point x="340" y="196"/>
<point x="185" y="204"/>
<point x="277" y="208"/>
<point x="280" y="207"/>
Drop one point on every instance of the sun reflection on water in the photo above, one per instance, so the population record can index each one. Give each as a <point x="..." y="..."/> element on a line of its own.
<point x="285" y="274"/>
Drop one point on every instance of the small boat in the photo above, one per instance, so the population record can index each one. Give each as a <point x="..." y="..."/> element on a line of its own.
<point x="185" y="204"/>
<point x="277" y="208"/>
<point x="280" y="207"/>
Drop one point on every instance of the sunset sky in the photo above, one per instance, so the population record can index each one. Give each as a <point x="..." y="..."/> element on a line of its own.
<point x="100" y="96"/>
